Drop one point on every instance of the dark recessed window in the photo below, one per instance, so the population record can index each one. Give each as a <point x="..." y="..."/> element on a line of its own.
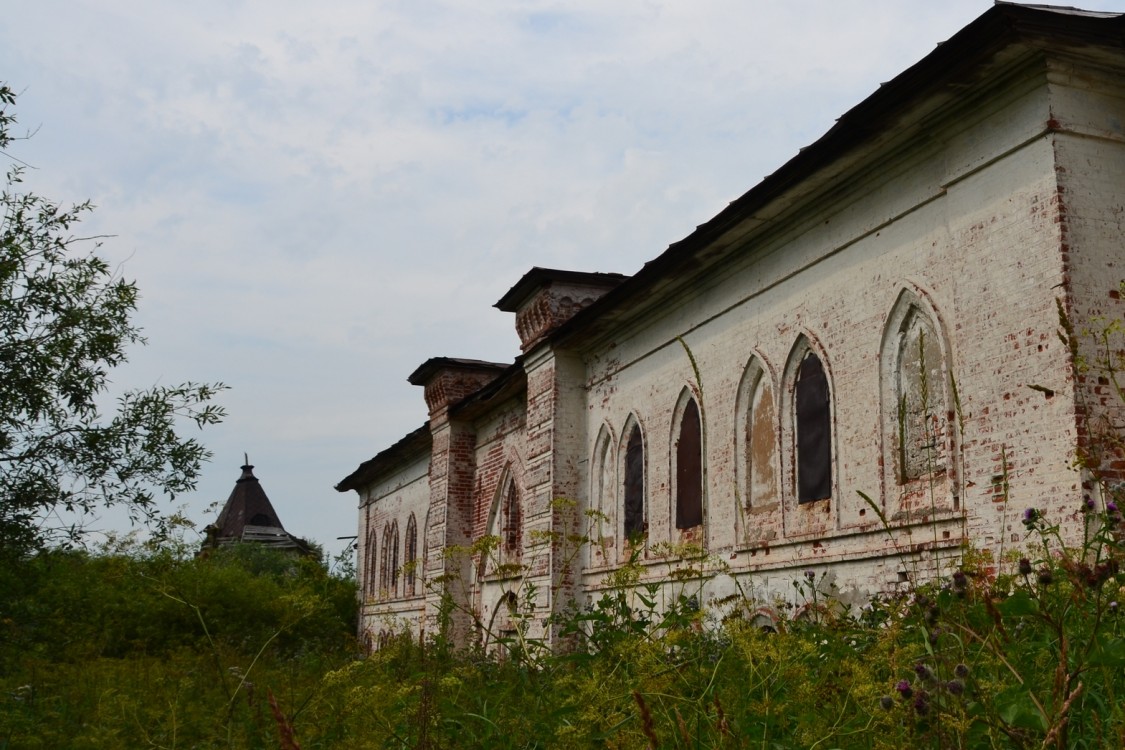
<point x="635" y="484"/>
<point x="689" y="469"/>
<point x="814" y="432"/>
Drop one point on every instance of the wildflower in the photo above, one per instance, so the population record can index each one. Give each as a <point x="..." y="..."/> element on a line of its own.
<point x="960" y="581"/>
<point x="1045" y="576"/>
<point x="922" y="703"/>
<point x="924" y="673"/>
<point x="1113" y="606"/>
<point x="1025" y="566"/>
<point x="1088" y="505"/>
<point x="810" y="575"/>
<point x="887" y="702"/>
<point x="961" y="670"/>
<point x="955" y="687"/>
<point x="1030" y="516"/>
<point x="903" y="688"/>
<point x="1111" y="507"/>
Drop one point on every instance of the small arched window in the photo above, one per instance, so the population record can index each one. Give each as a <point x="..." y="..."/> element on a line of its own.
<point x="370" y="568"/>
<point x="511" y="517"/>
<point x="813" y="420"/>
<point x="634" y="494"/>
<point x="393" y="587"/>
<point x="411" y="556"/>
<point x="385" y="566"/>
<point x="689" y="468"/>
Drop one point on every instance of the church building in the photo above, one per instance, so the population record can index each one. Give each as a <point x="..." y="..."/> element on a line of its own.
<point x="854" y="369"/>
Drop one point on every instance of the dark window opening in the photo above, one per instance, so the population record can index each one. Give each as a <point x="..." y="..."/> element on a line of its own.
<point x="371" y="567"/>
<point x="635" y="485"/>
<point x="394" y="559"/>
<point x="511" y="520"/>
<point x="689" y="470"/>
<point x="814" y="432"/>
<point x="411" y="554"/>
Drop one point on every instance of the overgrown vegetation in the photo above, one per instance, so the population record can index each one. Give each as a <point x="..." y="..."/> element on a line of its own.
<point x="143" y="647"/>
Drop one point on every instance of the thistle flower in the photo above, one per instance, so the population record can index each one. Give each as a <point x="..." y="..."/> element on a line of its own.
<point x="960" y="580"/>
<point x="1111" y="507"/>
<point x="1025" y="566"/>
<point x="955" y="687"/>
<point x="904" y="689"/>
<point x="1030" y="516"/>
<point x="961" y="670"/>
<point x="924" y="673"/>
<point x="922" y="703"/>
<point x="1045" y="576"/>
<point x="887" y="702"/>
<point x="810" y="575"/>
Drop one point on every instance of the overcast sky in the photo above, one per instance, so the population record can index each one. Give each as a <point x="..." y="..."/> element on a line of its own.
<point x="314" y="198"/>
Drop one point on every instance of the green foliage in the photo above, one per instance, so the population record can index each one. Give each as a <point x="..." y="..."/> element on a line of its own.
<point x="154" y="648"/>
<point x="64" y="326"/>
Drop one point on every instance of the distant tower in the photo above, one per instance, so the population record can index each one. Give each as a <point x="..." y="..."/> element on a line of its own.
<point x="248" y="516"/>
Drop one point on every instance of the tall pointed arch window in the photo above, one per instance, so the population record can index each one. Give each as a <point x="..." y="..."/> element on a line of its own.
<point x="511" y="528"/>
<point x="689" y="468"/>
<point x="634" y="485"/>
<point x="919" y="400"/>
<point x="393" y="583"/>
<point x="920" y="434"/>
<point x="757" y="438"/>
<point x="411" y="556"/>
<point x="603" y="498"/>
<point x="370" y="568"/>
<point x="813" y="424"/>
<point x="385" y="566"/>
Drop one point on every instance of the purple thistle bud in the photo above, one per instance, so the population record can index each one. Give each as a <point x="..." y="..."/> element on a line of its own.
<point x="1030" y="516"/>
<point x="922" y="703"/>
<point x="961" y="670"/>
<point x="1046" y="577"/>
<point x="887" y="702"/>
<point x="1089" y="504"/>
<point x="924" y="673"/>
<point x="903" y="688"/>
<point x="1111" y="507"/>
<point x="1025" y="566"/>
<point x="960" y="580"/>
<point x="811" y="575"/>
<point x="1113" y="606"/>
<point x="955" y="687"/>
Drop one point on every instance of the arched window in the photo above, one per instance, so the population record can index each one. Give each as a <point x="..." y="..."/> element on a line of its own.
<point x="370" y="584"/>
<point x="385" y="567"/>
<point x="602" y="498"/>
<point x="411" y="556"/>
<point x="511" y="534"/>
<point x="689" y="468"/>
<point x="393" y="587"/>
<point x="919" y="400"/>
<point x="756" y="438"/>
<point x="813" y="424"/>
<point x="634" y="485"/>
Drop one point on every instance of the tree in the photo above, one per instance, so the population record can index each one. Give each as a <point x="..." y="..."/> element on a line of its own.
<point x="64" y="325"/>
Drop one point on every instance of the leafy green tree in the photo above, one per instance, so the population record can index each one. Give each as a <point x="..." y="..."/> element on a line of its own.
<point x="64" y="325"/>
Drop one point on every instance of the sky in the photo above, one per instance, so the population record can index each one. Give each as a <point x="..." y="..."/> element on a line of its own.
<point x="315" y="198"/>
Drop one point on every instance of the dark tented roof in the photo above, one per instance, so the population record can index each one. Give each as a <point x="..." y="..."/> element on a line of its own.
<point x="249" y="516"/>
